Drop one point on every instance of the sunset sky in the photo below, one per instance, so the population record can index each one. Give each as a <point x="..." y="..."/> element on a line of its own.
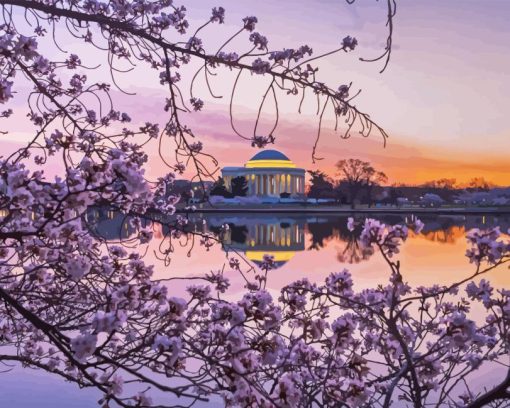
<point x="443" y="99"/>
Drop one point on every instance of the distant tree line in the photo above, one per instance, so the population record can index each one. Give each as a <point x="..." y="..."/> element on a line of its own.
<point x="475" y="184"/>
<point x="359" y="182"/>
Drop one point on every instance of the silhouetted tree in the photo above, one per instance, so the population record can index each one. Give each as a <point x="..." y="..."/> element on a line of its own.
<point x="393" y="196"/>
<point x="219" y="189"/>
<point x="321" y="186"/>
<point x="359" y="175"/>
<point x="444" y="183"/>
<point x="373" y="178"/>
<point x="339" y="192"/>
<point x="239" y="186"/>
<point x="479" y="183"/>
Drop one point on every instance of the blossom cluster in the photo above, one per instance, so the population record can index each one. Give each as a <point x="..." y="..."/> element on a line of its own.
<point x="387" y="238"/>
<point x="316" y="342"/>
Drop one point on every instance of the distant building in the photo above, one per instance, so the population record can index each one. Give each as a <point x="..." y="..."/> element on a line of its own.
<point x="268" y="173"/>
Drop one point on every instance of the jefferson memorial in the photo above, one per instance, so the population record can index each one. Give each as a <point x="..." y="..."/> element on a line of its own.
<point x="268" y="173"/>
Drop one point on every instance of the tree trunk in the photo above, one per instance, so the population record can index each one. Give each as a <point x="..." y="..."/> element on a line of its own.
<point x="352" y="195"/>
<point x="369" y="197"/>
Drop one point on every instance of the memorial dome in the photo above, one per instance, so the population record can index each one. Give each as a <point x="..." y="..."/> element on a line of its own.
<point x="269" y="158"/>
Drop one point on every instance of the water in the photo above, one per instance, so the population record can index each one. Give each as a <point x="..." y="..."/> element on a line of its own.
<point x="314" y="246"/>
<point x="303" y="245"/>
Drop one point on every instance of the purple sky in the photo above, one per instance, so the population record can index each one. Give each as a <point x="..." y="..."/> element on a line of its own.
<point x="443" y="98"/>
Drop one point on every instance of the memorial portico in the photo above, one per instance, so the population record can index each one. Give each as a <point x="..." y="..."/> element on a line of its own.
<point x="268" y="173"/>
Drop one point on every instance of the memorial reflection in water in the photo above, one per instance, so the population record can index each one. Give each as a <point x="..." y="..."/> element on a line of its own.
<point x="277" y="237"/>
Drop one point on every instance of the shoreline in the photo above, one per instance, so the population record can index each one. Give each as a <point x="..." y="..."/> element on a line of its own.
<point x="333" y="210"/>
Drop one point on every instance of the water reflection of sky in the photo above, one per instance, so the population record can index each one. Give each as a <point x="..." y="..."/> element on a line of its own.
<point x="303" y="246"/>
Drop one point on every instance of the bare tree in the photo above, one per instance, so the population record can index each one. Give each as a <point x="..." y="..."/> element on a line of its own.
<point x="359" y="175"/>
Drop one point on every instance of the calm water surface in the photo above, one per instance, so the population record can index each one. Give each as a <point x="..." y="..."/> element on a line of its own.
<point x="309" y="246"/>
<point x="314" y="246"/>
